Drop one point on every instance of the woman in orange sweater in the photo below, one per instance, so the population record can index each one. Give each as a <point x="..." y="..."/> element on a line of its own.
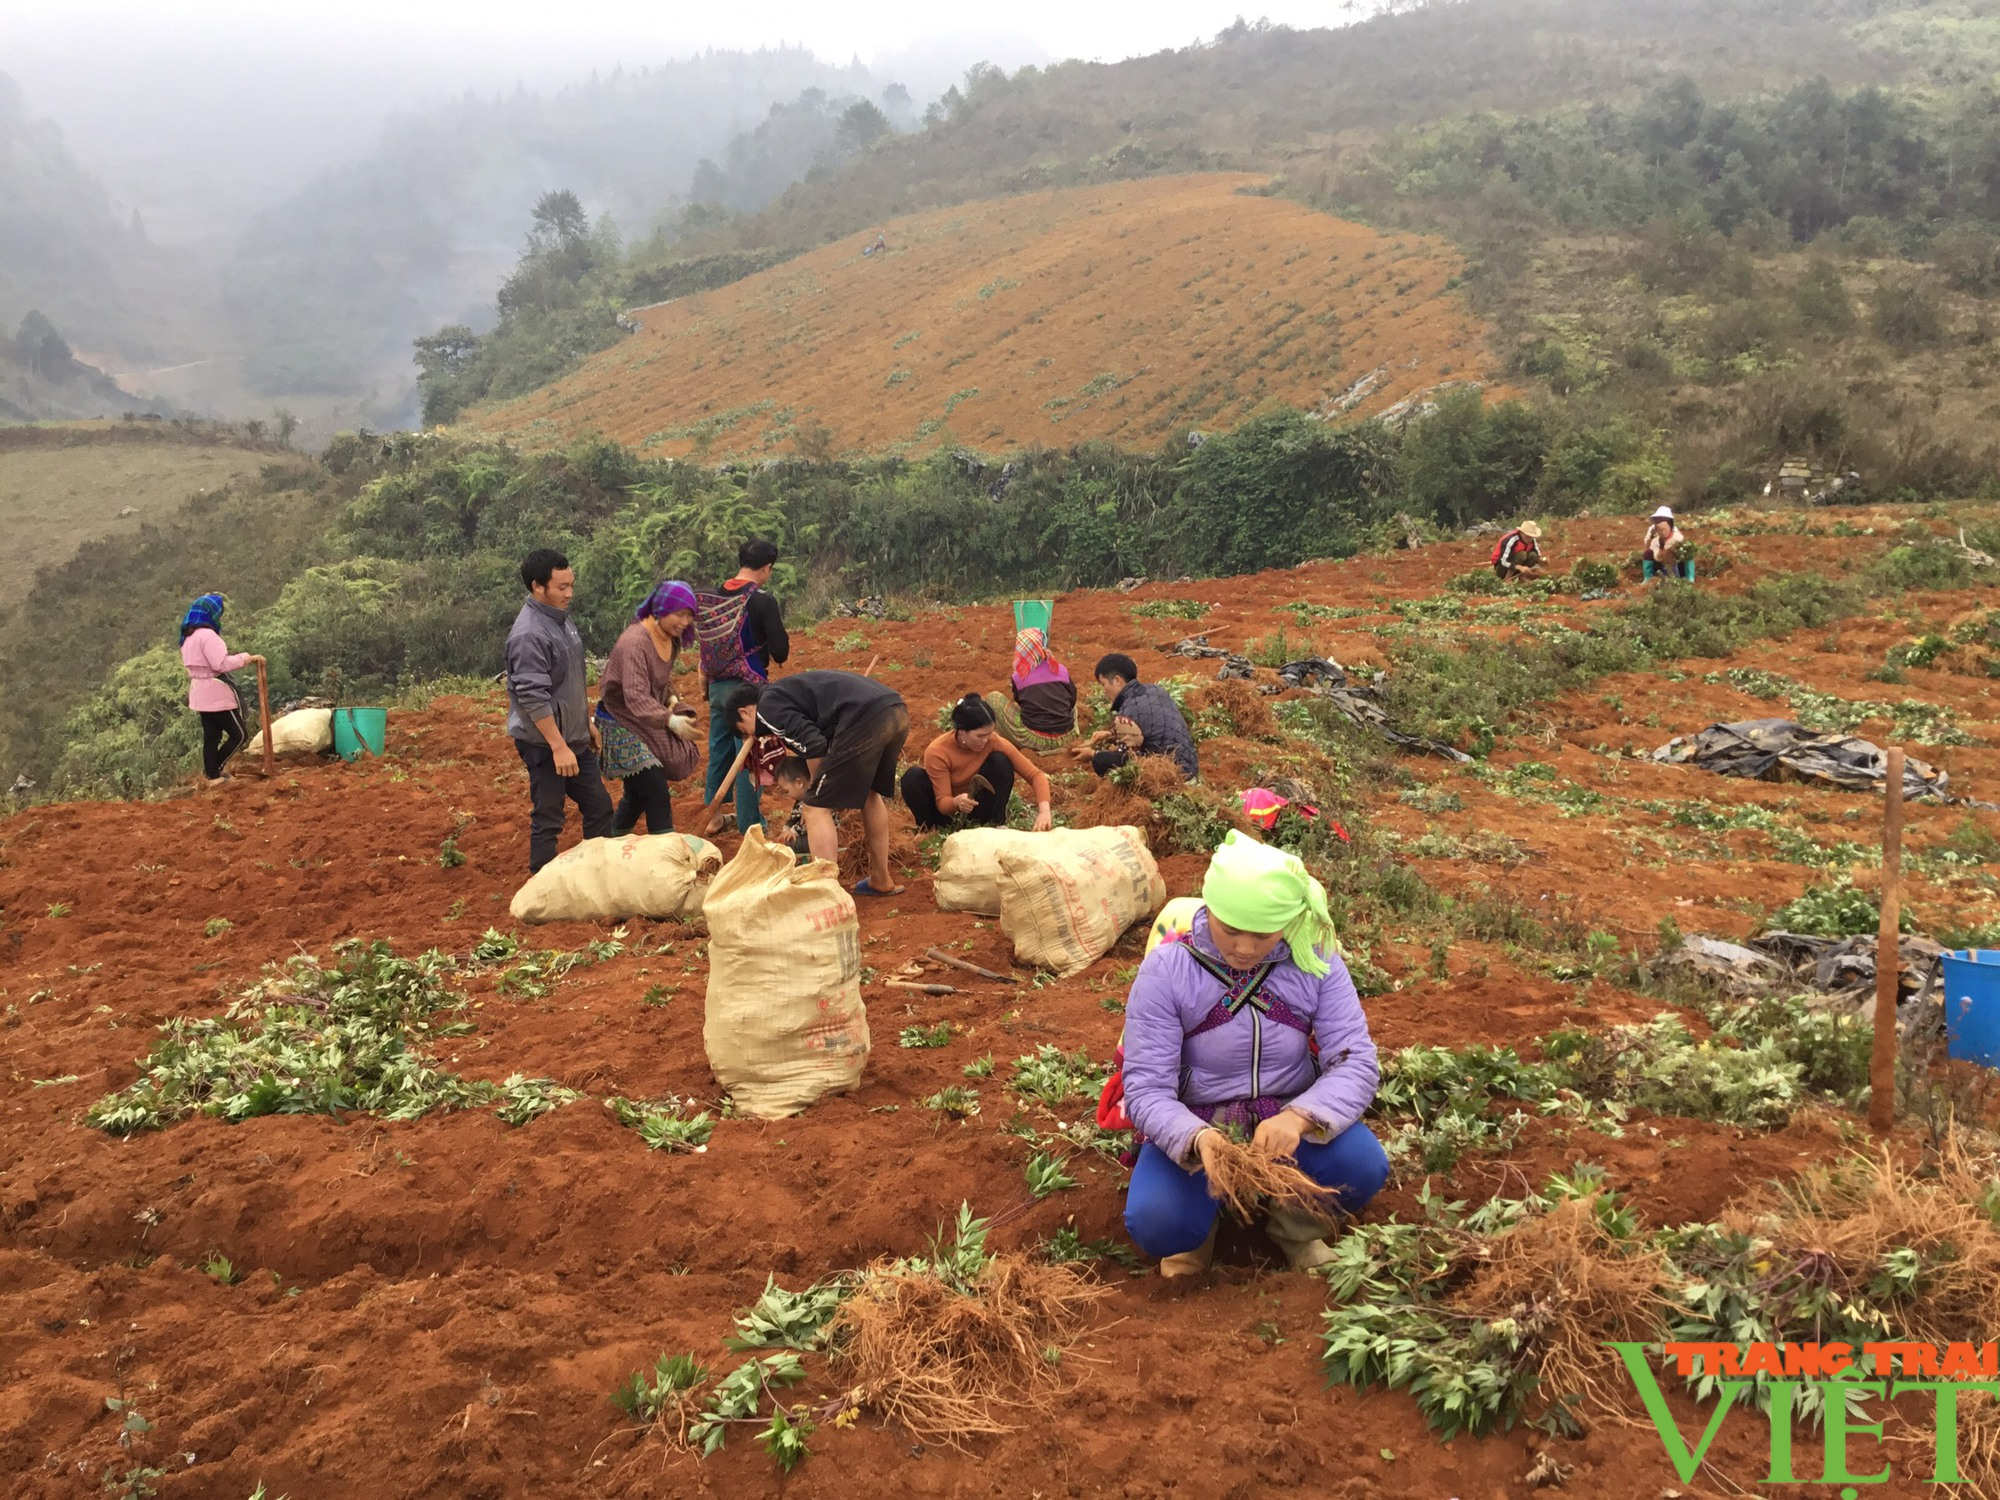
<point x="968" y="775"/>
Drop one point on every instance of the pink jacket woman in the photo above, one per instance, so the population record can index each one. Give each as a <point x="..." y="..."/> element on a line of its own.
<point x="207" y="657"/>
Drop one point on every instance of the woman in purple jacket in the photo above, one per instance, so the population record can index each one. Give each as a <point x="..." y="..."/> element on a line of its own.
<point x="1220" y="1034"/>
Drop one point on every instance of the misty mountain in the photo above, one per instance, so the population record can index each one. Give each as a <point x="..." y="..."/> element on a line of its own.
<point x="67" y="253"/>
<point x="327" y="289"/>
<point x="41" y="379"/>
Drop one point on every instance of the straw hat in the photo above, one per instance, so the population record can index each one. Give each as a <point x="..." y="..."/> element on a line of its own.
<point x="1531" y="531"/>
<point x="1664" y="513"/>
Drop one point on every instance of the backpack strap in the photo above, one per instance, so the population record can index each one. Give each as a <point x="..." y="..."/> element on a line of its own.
<point x="1241" y="987"/>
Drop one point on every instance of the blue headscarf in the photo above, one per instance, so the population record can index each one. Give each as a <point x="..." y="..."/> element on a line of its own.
<point x="204" y="614"/>
<point x="664" y="600"/>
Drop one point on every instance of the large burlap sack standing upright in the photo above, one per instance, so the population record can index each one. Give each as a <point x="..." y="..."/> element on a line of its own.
<point x="968" y="874"/>
<point x="784" y="1021"/>
<point x="303" y="731"/>
<point x="1065" y="904"/>
<point x="641" y="875"/>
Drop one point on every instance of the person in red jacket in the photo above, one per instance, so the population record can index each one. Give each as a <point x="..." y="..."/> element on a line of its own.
<point x="1518" y="552"/>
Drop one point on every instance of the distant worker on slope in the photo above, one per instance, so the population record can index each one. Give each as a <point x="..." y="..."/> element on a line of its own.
<point x="969" y="772"/>
<point x="211" y="694"/>
<point x="1518" y="552"/>
<point x="1665" y="549"/>
<point x="649" y="736"/>
<point x="548" y="709"/>
<point x="1038" y="712"/>
<point x="846" y="735"/>
<point x="1146" y="721"/>
<point x="741" y="631"/>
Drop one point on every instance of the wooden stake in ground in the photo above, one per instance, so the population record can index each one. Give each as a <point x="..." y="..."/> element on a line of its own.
<point x="727" y="789"/>
<point x="958" y="963"/>
<point x="264" y="712"/>
<point x="1888" y="969"/>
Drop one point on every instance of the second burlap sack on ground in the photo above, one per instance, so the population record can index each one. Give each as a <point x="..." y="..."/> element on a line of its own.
<point x="968" y="874"/>
<point x="1064" y="904"/>
<point x="784" y="1022"/>
<point x="641" y="875"/>
<point x="303" y="731"/>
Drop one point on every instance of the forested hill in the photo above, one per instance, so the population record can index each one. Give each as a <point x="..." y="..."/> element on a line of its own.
<point x="328" y="288"/>
<point x="1261" y="96"/>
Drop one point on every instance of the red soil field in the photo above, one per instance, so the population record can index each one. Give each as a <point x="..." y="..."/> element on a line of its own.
<point x="442" y="1307"/>
<point x="1125" y="312"/>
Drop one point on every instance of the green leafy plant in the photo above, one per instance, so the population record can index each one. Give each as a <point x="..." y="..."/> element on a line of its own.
<point x="522" y="1098"/>
<point x="956" y="1100"/>
<point x="347" y="1037"/>
<point x="1169" y="609"/>
<point x="789" y="1320"/>
<point x="739" y="1397"/>
<point x="662" y="1128"/>
<point x="1053" y="1077"/>
<point x="217" y="1265"/>
<point x="980" y="1067"/>
<point x="1837" y="909"/>
<point x="214" y="927"/>
<point x="1045" y="1175"/>
<point x="646" y="1397"/>
<point x="449" y="854"/>
<point x="925" y="1036"/>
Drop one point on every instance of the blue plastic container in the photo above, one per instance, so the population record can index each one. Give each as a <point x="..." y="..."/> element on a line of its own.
<point x="1972" y="1005"/>
<point x="358" y="729"/>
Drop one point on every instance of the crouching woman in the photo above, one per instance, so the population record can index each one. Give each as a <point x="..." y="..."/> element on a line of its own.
<point x="1250" y="1025"/>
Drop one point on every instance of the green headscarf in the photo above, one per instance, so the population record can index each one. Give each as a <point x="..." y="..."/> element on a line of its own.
<point x="1256" y="888"/>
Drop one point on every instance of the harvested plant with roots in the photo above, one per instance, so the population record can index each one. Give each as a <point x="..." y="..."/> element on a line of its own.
<point x="1247" y="1181"/>
<point x="943" y="1345"/>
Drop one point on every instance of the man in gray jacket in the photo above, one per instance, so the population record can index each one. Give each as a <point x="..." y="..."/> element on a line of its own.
<point x="548" y="709"/>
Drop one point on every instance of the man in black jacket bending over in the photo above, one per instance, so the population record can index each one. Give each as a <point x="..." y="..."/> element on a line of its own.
<point x="845" y="733"/>
<point x="1147" y="722"/>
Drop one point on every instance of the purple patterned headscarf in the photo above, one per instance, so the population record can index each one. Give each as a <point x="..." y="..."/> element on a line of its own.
<point x="664" y="600"/>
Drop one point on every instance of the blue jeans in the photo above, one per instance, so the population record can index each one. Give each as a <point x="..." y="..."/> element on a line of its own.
<point x="1168" y="1210"/>
<point x="723" y="743"/>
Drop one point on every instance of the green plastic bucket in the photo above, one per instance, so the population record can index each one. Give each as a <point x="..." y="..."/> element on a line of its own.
<point x="1034" y="614"/>
<point x="358" y="729"/>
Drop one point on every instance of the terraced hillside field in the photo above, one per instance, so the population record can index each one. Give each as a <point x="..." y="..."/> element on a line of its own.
<point x="1124" y="311"/>
<point x="62" y="485"/>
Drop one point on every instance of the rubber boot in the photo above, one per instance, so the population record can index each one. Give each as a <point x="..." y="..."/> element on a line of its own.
<point x="1300" y="1236"/>
<point x="1191" y="1262"/>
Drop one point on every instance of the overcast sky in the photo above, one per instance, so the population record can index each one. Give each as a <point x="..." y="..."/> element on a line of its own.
<point x="199" y="112"/>
<point x="630" y="30"/>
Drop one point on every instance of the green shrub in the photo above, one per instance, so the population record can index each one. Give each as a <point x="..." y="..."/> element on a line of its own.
<point x="1840" y="909"/>
<point x="1907" y="315"/>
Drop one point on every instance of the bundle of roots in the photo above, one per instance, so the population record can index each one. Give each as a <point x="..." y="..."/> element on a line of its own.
<point x="1839" y="1222"/>
<point x="947" y="1364"/>
<point x="1571" y="1288"/>
<point x="1247" y="1182"/>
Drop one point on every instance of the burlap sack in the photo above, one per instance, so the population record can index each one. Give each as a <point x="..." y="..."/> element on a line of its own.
<point x="1065" y="904"/>
<point x="640" y="875"/>
<point x="968" y="874"/>
<point x="303" y="731"/>
<point x="784" y="1021"/>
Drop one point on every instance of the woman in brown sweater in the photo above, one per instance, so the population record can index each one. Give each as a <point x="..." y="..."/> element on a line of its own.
<point x="650" y="739"/>
<point x="968" y="774"/>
